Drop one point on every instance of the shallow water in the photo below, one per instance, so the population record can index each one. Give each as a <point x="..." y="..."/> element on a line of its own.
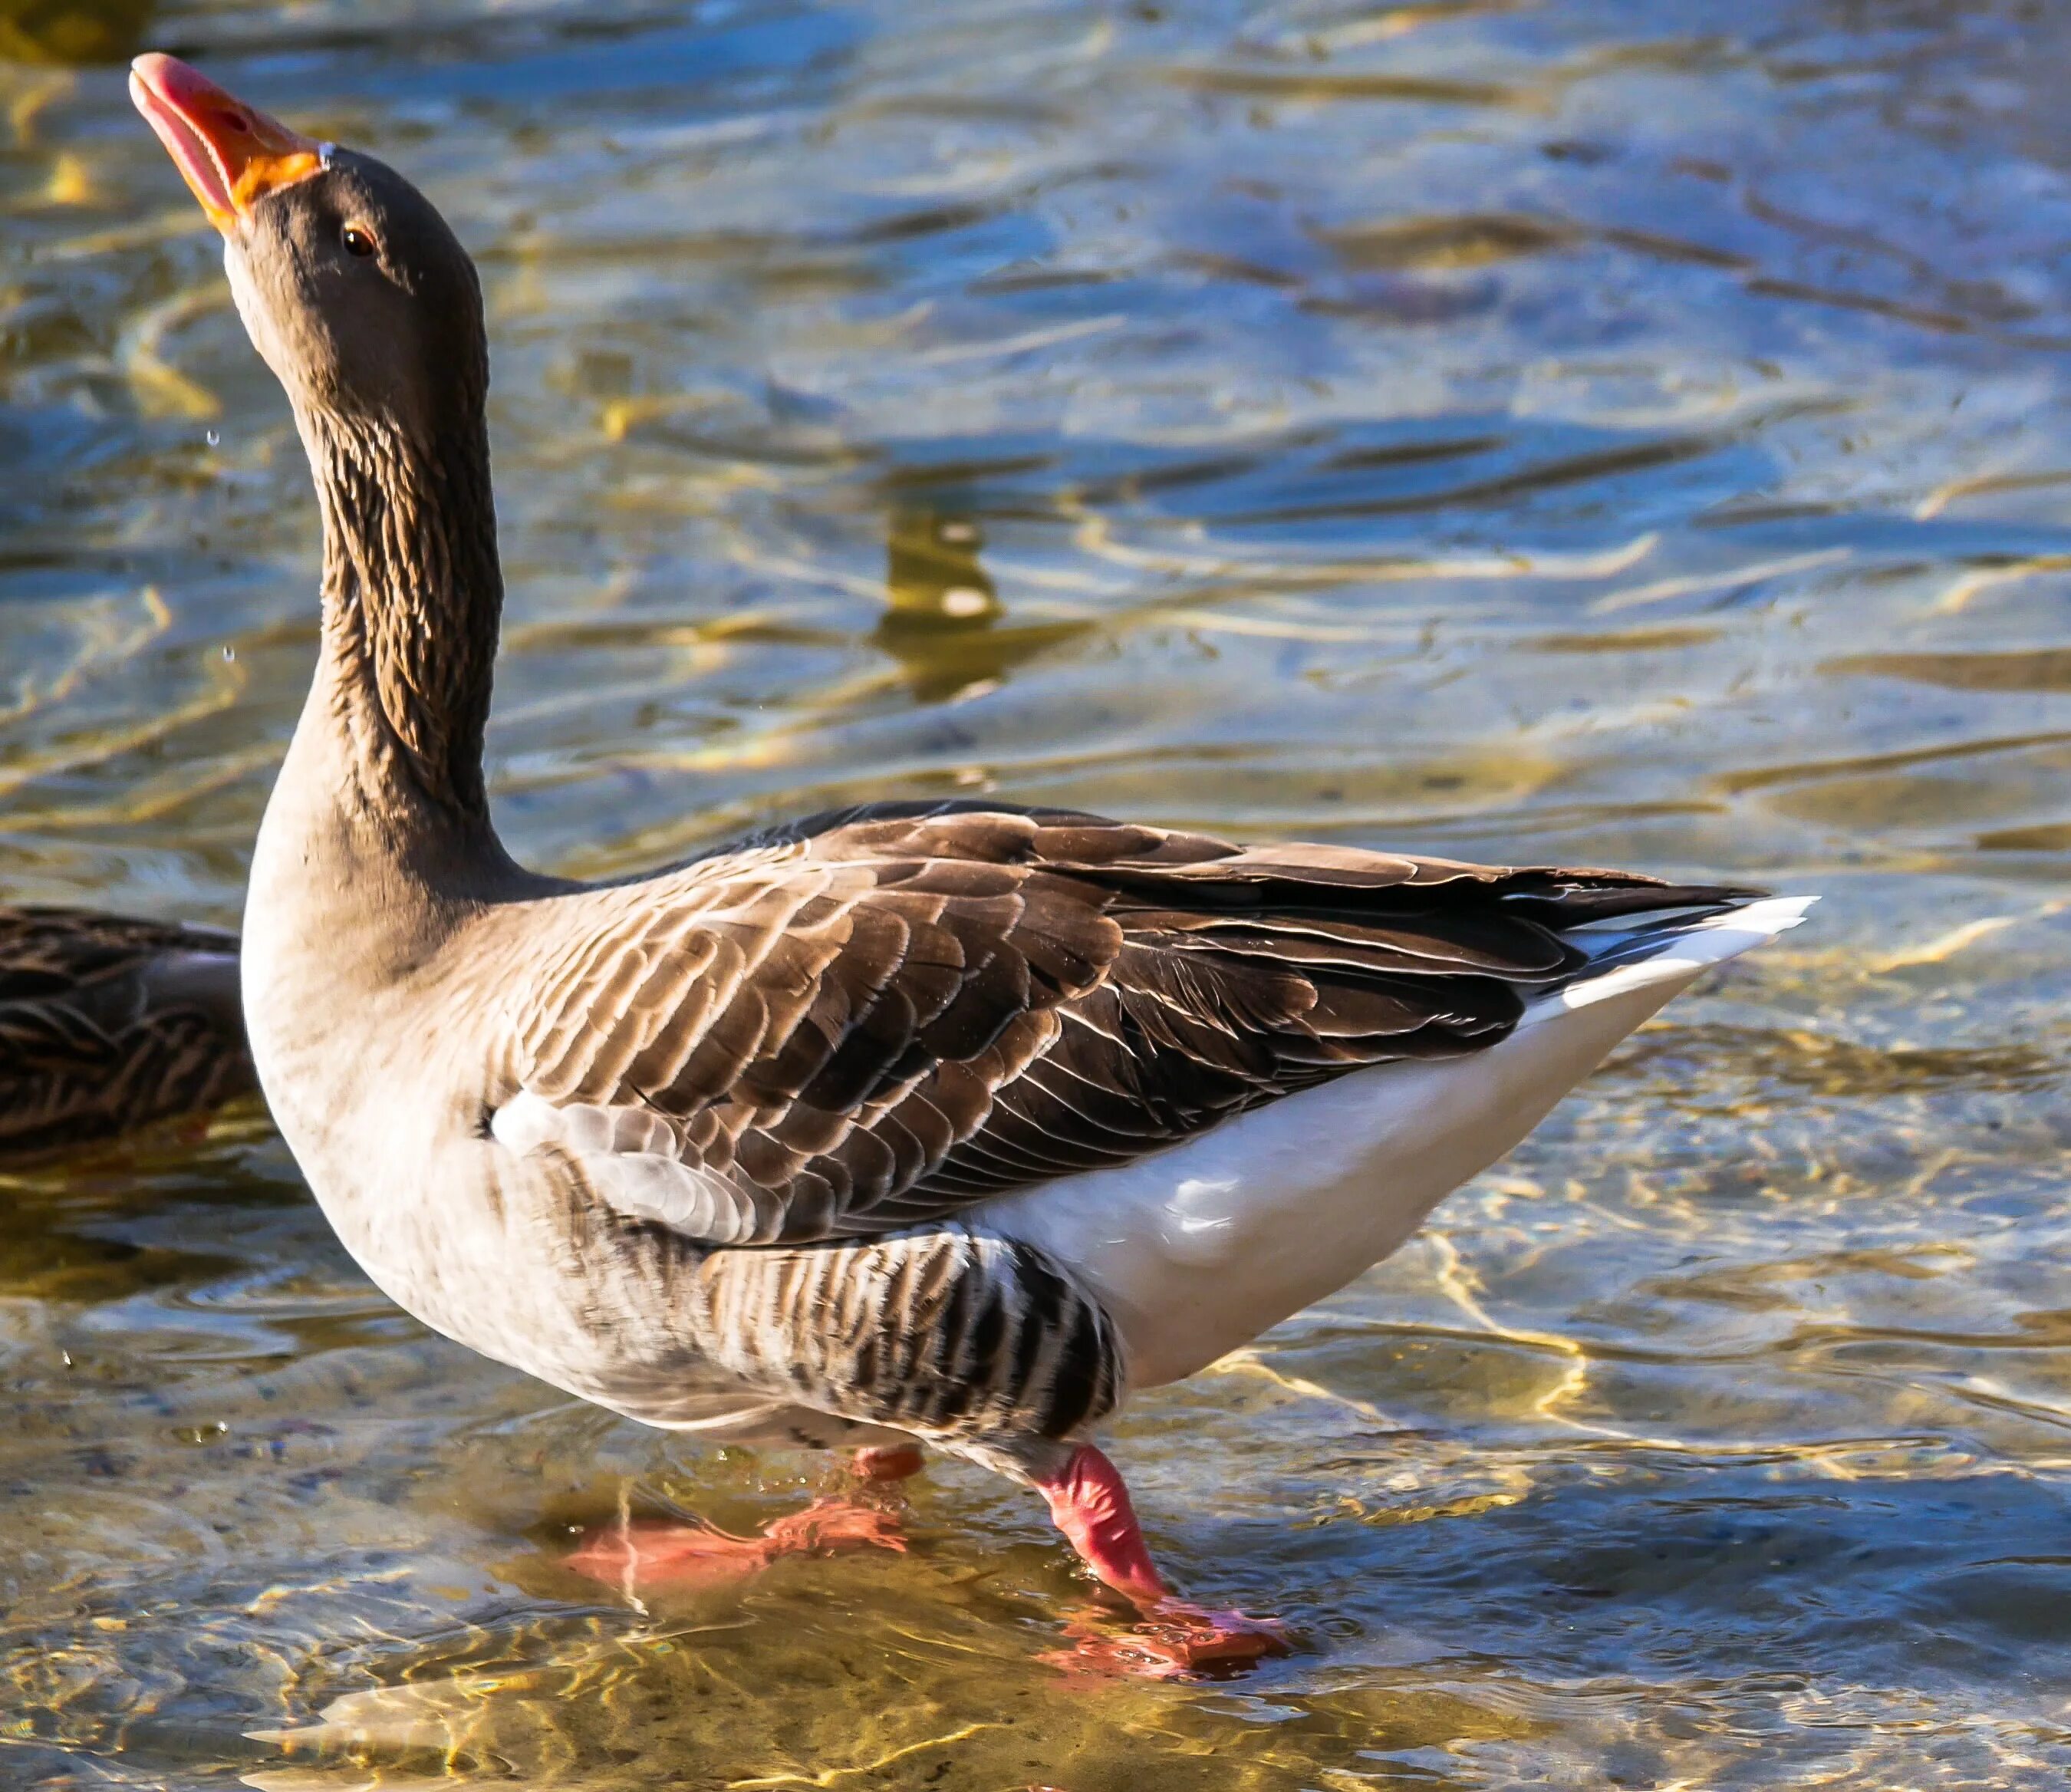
<point x="1617" y="431"/>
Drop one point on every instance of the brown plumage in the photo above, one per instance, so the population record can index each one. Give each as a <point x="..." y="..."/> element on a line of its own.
<point x="109" y="1024"/>
<point x="871" y="1019"/>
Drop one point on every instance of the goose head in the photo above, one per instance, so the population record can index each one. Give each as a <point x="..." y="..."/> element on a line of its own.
<point x="351" y="286"/>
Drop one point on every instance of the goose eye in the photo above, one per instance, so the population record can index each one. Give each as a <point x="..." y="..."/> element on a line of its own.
<point x="357" y="241"/>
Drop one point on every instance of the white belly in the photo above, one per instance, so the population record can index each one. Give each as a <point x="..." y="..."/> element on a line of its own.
<point x="1196" y="1251"/>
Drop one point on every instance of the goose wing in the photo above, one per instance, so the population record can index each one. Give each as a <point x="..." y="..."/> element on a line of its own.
<point x="108" y="1023"/>
<point x="46" y="952"/>
<point x="874" y="1018"/>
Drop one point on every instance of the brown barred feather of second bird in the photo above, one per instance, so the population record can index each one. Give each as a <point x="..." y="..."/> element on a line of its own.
<point x="109" y="1023"/>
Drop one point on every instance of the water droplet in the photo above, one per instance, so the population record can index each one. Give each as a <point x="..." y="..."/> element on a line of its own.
<point x="214" y="438"/>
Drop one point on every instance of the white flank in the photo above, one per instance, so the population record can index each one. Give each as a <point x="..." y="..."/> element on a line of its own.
<point x="1198" y="1249"/>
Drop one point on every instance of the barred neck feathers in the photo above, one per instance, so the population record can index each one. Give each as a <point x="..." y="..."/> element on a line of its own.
<point x="413" y="597"/>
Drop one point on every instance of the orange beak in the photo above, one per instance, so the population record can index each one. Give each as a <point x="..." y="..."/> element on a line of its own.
<point x="231" y="154"/>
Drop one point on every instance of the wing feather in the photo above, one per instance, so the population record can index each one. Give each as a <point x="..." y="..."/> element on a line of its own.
<point x="871" y="1019"/>
<point x="110" y="1023"/>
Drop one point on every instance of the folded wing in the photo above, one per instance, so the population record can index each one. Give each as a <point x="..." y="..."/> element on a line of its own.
<point x="108" y="1023"/>
<point x="873" y="1019"/>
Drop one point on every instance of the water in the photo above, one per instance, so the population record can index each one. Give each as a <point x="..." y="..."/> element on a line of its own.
<point x="1622" y="432"/>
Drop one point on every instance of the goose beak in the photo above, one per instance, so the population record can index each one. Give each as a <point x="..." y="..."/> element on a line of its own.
<point x="231" y="154"/>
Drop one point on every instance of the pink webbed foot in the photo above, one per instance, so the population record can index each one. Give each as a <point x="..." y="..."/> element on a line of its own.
<point x="649" y="1554"/>
<point x="827" y="1526"/>
<point x="640" y="1554"/>
<point x="1178" y="1638"/>
<point x="1090" y="1504"/>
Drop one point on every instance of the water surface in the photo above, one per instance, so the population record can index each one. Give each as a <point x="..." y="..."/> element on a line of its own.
<point x="1620" y="432"/>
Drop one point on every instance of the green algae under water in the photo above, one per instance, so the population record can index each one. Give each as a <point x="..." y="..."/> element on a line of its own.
<point x="1616" y="430"/>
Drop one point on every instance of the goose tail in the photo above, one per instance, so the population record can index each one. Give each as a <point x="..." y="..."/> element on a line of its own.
<point x="1664" y="950"/>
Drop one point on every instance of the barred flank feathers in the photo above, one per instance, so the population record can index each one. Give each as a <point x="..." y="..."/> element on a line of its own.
<point x="946" y="1332"/>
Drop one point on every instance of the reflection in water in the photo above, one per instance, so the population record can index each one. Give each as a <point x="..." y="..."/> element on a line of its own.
<point x="933" y="578"/>
<point x="943" y="621"/>
<point x="1630" y="433"/>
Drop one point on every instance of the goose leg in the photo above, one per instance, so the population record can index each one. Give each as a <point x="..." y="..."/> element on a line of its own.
<point x="653" y="1554"/>
<point x="649" y="1554"/>
<point x="1090" y="1503"/>
<point x="991" y="1350"/>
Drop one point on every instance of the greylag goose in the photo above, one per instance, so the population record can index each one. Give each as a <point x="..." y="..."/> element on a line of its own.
<point x="110" y="1024"/>
<point x="955" y="1122"/>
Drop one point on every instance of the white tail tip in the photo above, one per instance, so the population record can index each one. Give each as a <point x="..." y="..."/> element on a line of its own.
<point x="1687" y="950"/>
